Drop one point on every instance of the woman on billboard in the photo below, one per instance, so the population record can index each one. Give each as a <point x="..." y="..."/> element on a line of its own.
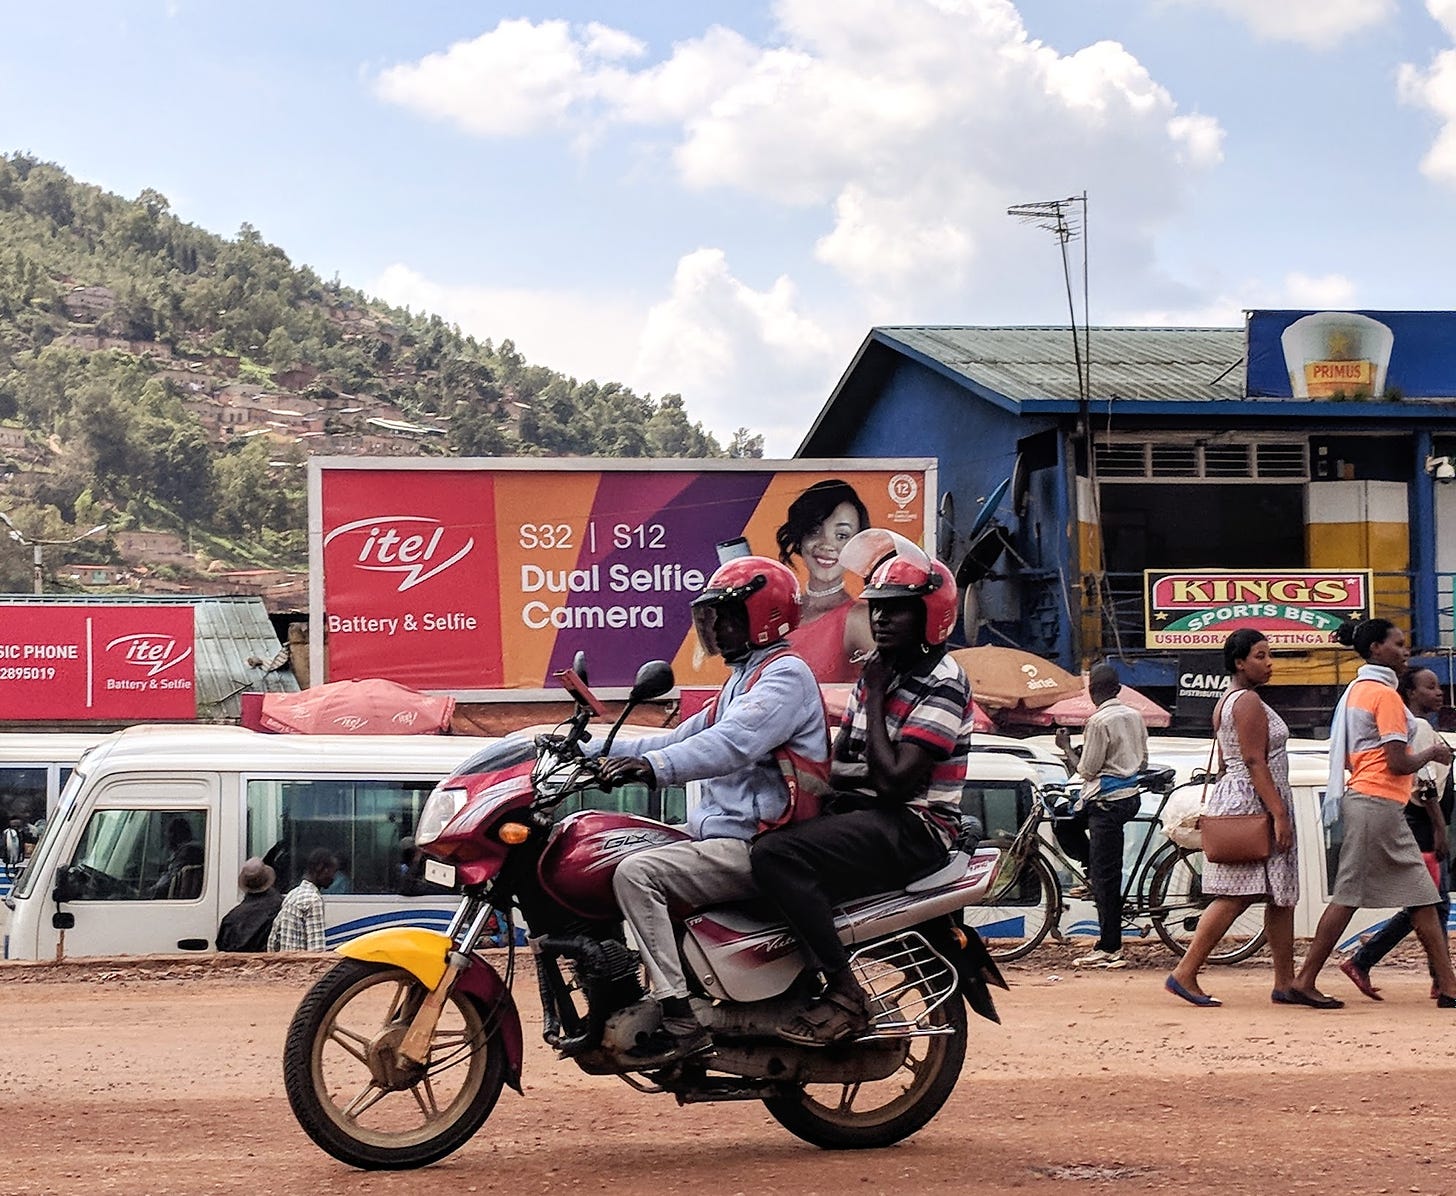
<point x="833" y="636"/>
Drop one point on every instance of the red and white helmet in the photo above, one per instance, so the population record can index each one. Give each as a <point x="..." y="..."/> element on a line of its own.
<point x="894" y="567"/>
<point x="768" y="590"/>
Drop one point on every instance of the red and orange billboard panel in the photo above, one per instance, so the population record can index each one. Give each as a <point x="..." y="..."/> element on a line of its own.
<point x="478" y="577"/>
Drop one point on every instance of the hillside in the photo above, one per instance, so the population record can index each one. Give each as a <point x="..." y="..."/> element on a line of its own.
<point x="158" y="378"/>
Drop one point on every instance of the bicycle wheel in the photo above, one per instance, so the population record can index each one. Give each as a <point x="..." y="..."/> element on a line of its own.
<point x="1177" y="902"/>
<point x="1019" y="912"/>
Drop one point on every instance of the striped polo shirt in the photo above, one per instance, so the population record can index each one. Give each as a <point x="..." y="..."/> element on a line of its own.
<point x="930" y="708"/>
<point x="1375" y="716"/>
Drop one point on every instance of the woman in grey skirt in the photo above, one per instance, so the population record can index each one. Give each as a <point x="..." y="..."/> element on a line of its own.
<point x="1380" y="863"/>
<point x="1254" y="778"/>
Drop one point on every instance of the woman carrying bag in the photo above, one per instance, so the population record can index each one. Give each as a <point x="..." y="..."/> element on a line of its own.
<point x="1254" y="780"/>
<point x="1380" y="862"/>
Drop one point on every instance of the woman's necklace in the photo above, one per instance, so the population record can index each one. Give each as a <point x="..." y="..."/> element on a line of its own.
<point x="811" y="592"/>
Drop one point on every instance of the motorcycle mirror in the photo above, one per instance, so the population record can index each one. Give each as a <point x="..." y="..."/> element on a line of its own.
<point x="653" y="680"/>
<point x="578" y="666"/>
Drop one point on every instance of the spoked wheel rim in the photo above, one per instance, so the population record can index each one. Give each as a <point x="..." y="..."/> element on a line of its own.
<point x="869" y="1103"/>
<point x="363" y="1089"/>
<point x="1179" y="904"/>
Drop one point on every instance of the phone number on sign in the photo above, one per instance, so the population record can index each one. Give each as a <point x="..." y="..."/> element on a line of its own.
<point x="23" y="672"/>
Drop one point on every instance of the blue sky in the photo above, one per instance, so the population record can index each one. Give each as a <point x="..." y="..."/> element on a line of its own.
<point x="721" y="199"/>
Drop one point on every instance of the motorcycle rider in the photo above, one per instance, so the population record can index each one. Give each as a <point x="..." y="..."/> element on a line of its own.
<point x="759" y="748"/>
<point x="896" y="772"/>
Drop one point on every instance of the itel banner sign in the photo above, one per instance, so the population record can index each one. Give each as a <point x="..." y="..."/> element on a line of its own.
<point x="474" y="577"/>
<point x="1293" y="608"/>
<point x="112" y="663"/>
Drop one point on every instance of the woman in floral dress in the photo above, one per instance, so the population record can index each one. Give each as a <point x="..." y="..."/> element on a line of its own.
<point x="1254" y="779"/>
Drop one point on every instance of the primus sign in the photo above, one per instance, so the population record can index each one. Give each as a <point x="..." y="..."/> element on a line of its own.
<point x="111" y="663"/>
<point x="1293" y="608"/>
<point x="481" y="577"/>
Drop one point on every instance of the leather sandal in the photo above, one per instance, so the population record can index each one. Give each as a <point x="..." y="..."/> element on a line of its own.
<point x="834" y="1016"/>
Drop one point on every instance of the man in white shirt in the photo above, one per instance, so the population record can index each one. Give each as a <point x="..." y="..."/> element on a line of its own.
<point x="300" y="922"/>
<point x="1114" y="751"/>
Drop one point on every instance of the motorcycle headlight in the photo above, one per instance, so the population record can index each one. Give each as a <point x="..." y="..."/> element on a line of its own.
<point x="440" y="807"/>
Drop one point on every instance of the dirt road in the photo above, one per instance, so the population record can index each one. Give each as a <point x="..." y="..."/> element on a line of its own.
<point x="168" y="1082"/>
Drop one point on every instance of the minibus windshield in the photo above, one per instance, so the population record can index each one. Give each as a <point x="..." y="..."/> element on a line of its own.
<point x="46" y="847"/>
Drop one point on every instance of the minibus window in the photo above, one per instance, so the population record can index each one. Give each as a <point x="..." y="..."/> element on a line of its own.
<point x="22" y="815"/>
<point x="48" y="838"/>
<point x="363" y="823"/>
<point x="669" y="804"/>
<point x="141" y="855"/>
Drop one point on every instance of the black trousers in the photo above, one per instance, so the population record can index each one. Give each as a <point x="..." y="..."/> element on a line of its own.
<point x="808" y="869"/>
<point x="1095" y="838"/>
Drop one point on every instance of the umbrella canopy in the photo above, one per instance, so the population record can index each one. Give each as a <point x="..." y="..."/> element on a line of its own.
<point x="372" y="706"/>
<point x="836" y="697"/>
<point x="1002" y="677"/>
<point x="1076" y="710"/>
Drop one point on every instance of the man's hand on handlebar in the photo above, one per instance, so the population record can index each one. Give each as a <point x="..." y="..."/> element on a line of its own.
<point x="620" y="770"/>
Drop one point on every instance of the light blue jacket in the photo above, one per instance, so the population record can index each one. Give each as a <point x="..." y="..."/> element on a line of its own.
<point x="732" y="757"/>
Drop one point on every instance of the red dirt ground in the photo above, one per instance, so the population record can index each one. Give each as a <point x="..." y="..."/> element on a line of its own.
<point x="165" y="1079"/>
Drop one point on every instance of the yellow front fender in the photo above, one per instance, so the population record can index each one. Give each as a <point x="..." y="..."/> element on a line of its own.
<point x="420" y="952"/>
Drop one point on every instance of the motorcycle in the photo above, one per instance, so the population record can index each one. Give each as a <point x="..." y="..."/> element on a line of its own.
<point x="397" y="1055"/>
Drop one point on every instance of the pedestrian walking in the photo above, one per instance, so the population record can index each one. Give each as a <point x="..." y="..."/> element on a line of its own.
<point x="1254" y="779"/>
<point x="1380" y="862"/>
<point x="1429" y="816"/>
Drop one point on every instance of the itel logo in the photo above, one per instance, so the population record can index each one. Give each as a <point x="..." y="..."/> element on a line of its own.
<point x="351" y="722"/>
<point x="404" y="544"/>
<point x="150" y="651"/>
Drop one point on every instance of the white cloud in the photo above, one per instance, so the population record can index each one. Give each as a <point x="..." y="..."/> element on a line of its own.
<point x="1434" y="88"/>
<point x="912" y="124"/>
<point x="580" y="334"/>
<point x="1323" y="292"/>
<point x="740" y="357"/>
<point x="1318" y="24"/>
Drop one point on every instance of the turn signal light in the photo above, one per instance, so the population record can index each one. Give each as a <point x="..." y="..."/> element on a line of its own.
<point x="514" y="833"/>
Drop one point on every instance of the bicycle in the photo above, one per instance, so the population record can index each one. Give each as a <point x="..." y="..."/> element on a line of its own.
<point x="1163" y="891"/>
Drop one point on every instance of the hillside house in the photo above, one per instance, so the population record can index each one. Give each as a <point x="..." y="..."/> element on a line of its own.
<point x="89" y="303"/>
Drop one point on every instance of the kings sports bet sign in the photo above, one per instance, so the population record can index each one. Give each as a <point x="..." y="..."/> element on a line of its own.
<point x="1293" y="608"/>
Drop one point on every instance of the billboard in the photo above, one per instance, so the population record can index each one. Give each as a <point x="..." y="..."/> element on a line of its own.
<point x="1335" y="354"/>
<point x="482" y="578"/>
<point x="111" y="663"/>
<point x="1294" y="608"/>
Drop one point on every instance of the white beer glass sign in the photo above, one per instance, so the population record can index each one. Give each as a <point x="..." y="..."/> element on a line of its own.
<point x="1334" y="353"/>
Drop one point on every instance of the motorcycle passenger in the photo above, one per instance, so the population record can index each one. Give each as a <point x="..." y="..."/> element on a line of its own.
<point x="896" y="772"/>
<point x="764" y="729"/>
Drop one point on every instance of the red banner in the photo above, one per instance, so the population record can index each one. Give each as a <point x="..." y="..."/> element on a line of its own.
<point x="97" y="662"/>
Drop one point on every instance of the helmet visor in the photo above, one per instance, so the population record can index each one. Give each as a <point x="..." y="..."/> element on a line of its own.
<point x="722" y="626"/>
<point x="868" y="549"/>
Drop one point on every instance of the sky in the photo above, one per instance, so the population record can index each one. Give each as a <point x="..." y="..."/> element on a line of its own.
<point x="722" y="199"/>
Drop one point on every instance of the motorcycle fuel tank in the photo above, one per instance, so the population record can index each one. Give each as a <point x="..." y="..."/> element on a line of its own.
<point x="577" y="867"/>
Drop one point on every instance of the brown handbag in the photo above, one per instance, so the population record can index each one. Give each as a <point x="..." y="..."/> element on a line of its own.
<point x="1235" y="838"/>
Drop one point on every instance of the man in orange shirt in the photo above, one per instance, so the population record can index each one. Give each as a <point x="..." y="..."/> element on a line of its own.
<point x="1380" y="862"/>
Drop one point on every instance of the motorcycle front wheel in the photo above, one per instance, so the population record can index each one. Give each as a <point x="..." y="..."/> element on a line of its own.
<point x="862" y="1116"/>
<point x="352" y="1096"/>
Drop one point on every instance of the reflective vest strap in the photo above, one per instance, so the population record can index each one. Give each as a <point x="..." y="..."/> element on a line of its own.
<point x="806" y="780"/>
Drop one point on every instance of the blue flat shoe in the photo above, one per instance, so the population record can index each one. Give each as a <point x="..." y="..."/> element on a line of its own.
<point x="1202" y="1000"/>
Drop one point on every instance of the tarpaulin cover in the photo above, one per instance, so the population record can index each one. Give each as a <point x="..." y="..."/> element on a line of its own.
<point x="371" y="706"/>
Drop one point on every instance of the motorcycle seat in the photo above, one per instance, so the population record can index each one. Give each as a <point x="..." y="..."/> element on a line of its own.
<point x="952" y="869"/>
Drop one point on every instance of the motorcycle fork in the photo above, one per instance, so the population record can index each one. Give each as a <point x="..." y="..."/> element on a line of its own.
<point x="415" y="1046"/>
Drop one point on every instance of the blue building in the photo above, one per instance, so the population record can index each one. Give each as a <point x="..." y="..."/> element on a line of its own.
<point x="1288" y="444"/>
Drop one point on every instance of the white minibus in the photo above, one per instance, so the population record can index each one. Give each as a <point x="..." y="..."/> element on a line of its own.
<point x="234" y="794"/>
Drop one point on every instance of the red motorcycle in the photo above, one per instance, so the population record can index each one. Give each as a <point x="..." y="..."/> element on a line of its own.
<point x="397" y="1055"/>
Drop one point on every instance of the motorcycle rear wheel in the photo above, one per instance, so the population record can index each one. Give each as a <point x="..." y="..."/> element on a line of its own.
<point x="353" y="1100"/>
<point x="833" y="1117"/>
